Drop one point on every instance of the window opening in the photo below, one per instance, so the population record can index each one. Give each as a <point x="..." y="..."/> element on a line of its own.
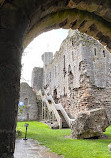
<point x="104" y="53"/>
<point x="95" y="51"/>
<point x="25" y="101"/>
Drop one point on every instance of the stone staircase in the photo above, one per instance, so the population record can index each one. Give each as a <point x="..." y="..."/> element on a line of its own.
<point x="64" y="123"/>
<point x="53" y="113"/>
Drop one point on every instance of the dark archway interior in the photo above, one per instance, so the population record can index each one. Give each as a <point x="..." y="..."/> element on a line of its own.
<point x="20" y="22"/>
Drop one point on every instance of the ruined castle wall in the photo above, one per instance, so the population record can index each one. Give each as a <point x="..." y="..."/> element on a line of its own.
<point x="28" y="96"/>
<point x="81" y="74"/>
<point x="56" y="73"/>
<point x="37" y="79"/>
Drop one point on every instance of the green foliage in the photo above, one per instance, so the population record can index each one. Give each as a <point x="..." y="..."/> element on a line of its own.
<point x="70" y="148"/>
<point x="18" y="132"/>
<point x="21" y="108"/>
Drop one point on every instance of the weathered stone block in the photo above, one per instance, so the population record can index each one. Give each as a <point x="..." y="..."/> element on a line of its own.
<point x="90" y="124"/>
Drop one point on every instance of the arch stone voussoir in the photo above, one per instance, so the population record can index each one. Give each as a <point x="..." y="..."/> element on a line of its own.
<point x="85" y="22"/>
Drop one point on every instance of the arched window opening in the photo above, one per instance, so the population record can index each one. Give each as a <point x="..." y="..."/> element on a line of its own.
<point x="104" y="53"/>
<point x="25" y="101"/>
<point x="64" y="69"/>
<point x="72" y="43"/>
<point x="95" y="51"/>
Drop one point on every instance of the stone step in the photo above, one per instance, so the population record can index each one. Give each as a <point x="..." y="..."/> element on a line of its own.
<point x="64" y="123"/>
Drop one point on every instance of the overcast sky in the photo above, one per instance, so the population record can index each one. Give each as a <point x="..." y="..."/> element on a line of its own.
<point x="49" y="41"/>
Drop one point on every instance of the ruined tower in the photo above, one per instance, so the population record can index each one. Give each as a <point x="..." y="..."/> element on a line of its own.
<point x="37" y="78"/>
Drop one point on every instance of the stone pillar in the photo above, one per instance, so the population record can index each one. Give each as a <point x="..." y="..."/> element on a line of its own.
<point x="12" y="28"/>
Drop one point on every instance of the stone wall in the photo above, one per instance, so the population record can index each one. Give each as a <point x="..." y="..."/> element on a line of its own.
<point x="39" y="106"/>
<point x="28" y="96"/>
<point x="80" y="74"/>
<point x="37" y="78"/>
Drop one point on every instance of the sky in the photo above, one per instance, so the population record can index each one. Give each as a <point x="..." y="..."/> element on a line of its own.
<point x="46" y="42"/>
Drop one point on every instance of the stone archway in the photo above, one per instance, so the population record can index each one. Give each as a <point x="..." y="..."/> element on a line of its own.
<point x="20" y="22"/>
<point x="88" y="17"/>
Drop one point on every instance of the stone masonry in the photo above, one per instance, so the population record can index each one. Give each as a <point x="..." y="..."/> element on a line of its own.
<point x="79" y="75"/>
<point x="37" y="78"/>
<point x="28" y="96"/>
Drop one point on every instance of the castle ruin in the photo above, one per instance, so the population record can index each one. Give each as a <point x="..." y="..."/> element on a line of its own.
<point x="30" y="110"/>
<point x="78" y="76"/>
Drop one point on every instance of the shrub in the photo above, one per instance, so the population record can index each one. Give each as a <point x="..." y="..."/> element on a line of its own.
<point x="18" y="132"/>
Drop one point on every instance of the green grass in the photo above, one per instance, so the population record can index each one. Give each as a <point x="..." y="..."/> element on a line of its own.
<point x="56" y="141"/>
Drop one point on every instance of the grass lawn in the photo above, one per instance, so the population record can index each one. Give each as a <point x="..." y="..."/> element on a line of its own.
<point x="56" y="141"/>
